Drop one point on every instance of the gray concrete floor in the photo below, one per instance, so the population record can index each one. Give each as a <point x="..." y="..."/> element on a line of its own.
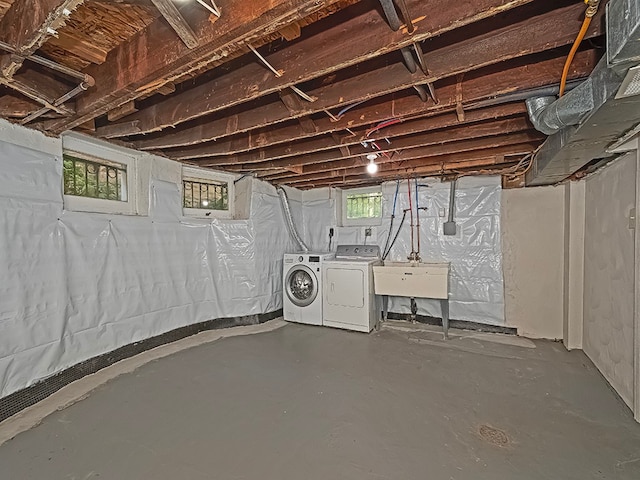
<point x="316" y="403"/>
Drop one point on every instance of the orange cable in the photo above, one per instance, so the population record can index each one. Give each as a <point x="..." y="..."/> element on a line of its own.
<point x="572" y="53"/>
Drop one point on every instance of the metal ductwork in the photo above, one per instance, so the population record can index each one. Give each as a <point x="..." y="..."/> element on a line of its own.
<point x="286" y="210"/>
<point x="585" y="122"/>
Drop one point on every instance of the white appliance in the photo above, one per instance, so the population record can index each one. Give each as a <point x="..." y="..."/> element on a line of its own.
<point x="349" y="301"/>
<point x="302" y="287"/>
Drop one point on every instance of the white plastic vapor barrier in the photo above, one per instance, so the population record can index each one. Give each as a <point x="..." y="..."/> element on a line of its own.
<point x="76" y="285"/>
<point x="476" y="280"/>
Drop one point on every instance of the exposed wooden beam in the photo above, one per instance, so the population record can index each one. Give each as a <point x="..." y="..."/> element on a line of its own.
<point x="133" y="68"/>
<point x="413" y="166"/>
<point x="82" y="48"/>
<point x="122" y="111"/>
<point x="486" y="84"/>
<point x="480" y="87"/>
<point x="244" y="84"/>
<point x="316" y="56"/>
<point x="425" y="137"/>
<point x="17" y="106"/>
<point x="414" y="154"/>
<point x="367" y="85"/>
<point x="292" y="101"/>
<point x="39" y="87"/>
<point x="439" y="169"/>
<point x="319" y="143"/>
<point x="173" y="16"/>
<point x="167" y="89"/>
<point x="27" y="25"/>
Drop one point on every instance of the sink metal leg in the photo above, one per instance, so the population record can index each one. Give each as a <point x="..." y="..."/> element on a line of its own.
<point x="445" y="317"/>
<point x="385" y="307"/>
<point x="414" y="310"/>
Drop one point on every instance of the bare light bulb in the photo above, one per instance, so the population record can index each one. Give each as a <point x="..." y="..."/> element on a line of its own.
<point x="372" y="167"/>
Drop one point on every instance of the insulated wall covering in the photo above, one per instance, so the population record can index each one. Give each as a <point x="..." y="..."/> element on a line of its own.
<point x="476" y="281"/>
<point x="75" y="285"/>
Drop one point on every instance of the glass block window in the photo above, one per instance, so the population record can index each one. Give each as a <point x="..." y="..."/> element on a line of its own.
<point x="205" y="195"/>
<point x="364" y="205"/>
<point x="94" y="178"/>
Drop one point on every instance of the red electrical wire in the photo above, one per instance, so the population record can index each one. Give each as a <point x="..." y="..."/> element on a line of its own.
<point x="381" y="125"/>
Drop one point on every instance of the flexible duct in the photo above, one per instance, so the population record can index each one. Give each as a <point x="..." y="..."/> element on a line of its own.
<point x="549" y="115"/>
<point x="286" y="209"/>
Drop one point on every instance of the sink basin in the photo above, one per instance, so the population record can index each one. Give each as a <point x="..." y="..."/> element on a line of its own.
<point x="412" y="279"/>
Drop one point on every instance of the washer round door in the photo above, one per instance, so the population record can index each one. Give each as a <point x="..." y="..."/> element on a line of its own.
<point x="301" y="285"/>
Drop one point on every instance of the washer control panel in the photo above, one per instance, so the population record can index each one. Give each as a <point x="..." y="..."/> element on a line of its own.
<point x="358" y="251"/>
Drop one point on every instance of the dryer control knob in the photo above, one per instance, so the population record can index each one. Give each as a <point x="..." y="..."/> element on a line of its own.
<point x="300" y="258"/>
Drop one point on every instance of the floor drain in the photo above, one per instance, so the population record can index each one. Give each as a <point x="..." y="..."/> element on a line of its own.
<point x="493" y="435"/>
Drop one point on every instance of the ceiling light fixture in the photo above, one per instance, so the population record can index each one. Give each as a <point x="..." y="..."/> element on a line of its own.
<point x="372" y="167"/>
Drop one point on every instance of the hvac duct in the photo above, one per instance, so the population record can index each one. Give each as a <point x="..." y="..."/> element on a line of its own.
<point x="286" y="209"/>
<point x="586" y="121"/>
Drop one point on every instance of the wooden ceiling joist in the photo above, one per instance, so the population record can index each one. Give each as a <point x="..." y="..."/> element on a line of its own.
<point x="514" y="42"/>
<point x="315" y="57"/>
<point x="487" y="84"/>
<point x="491" y="164"/>
<point x="411" y="127"/>
<point x="27" y="25"/>
<point x="155" y="55"/>
<point x="409" y="166"/>
<point x="420" y="152"/>
<point x="477" y="88"/>
<point x="17" y="106"/>
<point x="280" y="159"/>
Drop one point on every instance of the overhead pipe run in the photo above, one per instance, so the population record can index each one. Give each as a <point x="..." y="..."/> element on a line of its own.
<point x="86" y="81"/>
<point x="286" y="210"/>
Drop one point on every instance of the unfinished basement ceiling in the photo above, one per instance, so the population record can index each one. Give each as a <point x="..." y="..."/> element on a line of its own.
<point x="342" y="87"/>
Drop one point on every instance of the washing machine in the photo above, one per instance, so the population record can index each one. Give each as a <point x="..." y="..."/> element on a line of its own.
<point x="302" y="287"/>
<point x="349" y="300"/>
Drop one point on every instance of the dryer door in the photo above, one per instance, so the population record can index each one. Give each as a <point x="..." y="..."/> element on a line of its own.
<point x="301" y="285"/>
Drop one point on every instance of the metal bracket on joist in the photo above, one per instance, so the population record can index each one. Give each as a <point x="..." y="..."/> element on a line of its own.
<point x="279" y="73"/>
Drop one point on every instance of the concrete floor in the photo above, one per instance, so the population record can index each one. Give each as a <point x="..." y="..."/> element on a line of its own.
<point x="312" y="403"/>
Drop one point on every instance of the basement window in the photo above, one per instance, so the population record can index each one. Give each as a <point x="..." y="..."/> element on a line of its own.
<point x="94" y="179"/>
<point x="362" y="206"/>
<point x="97" y="177"/>
<point x="206" y="194"/>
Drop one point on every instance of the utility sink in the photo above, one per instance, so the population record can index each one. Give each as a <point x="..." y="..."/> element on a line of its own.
<point x="412" y="279"/>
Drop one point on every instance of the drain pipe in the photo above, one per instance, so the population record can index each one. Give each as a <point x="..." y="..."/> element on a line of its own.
<point x="286" y="209"/>
<point x="394" y="22"/>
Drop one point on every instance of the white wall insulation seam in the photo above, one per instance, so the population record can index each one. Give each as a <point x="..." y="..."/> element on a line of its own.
<point x="477" y="291"/>
<point x="76" y="285"/>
